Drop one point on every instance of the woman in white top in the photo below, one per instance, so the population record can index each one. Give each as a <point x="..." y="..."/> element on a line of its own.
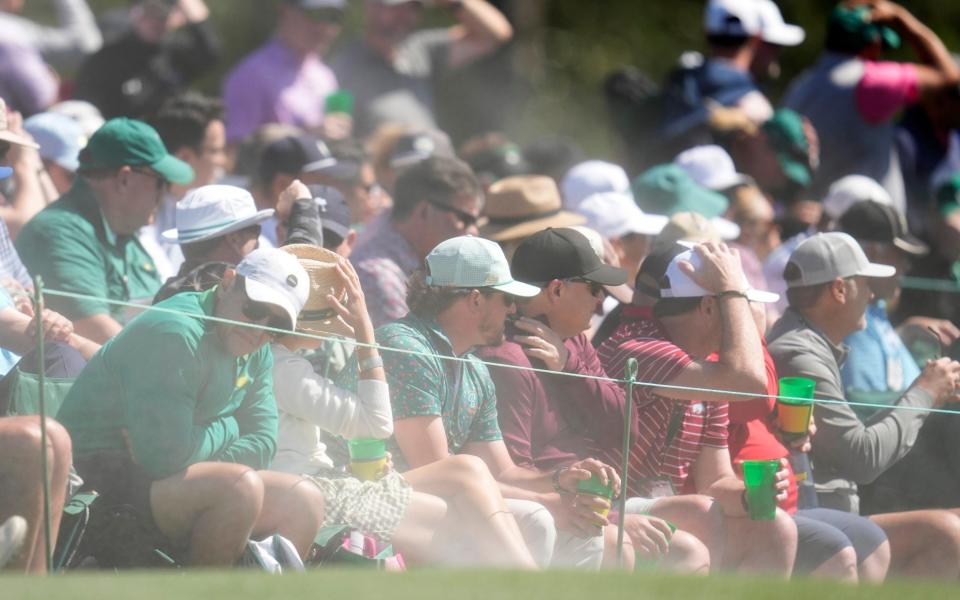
<point x="470" y="523"/>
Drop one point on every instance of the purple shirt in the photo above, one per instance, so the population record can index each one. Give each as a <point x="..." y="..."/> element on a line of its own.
<point x="26" y="82"/>
<point x="384" y="260"/>
<point x="550" y="421"/>
<point x="273" y="85"/>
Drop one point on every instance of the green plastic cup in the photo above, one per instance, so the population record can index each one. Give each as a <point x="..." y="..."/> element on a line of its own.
<point x="340" y="101"/>
<point x="594" y="487"/>
<point x="758" y="477"/>
<point x="793" y="416"/>
<point x="368" y="457"/>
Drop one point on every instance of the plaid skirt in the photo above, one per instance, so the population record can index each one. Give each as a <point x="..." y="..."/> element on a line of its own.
<point x="372" y="507"/>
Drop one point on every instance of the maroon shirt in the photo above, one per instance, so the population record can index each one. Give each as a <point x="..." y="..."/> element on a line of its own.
<point x="549" y="420"/>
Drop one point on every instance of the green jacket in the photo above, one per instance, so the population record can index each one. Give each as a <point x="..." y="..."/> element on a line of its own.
<point x="72" y="247"/>
<point x="166" y="391"/>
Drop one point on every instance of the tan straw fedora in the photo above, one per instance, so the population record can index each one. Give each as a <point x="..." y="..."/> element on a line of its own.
<point x="6" y="135"/>
<point x="318" y="314"/>
<point x="518" y="207"/>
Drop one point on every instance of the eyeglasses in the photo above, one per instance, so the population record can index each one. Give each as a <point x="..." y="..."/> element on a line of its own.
<point x="258" y="312"/>
<point x="596" y="289"/>
<point x="465" y="218"/>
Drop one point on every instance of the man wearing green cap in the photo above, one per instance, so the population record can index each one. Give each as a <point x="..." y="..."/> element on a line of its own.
<point x="85" y="243"/>
<point x="853" y="98"/>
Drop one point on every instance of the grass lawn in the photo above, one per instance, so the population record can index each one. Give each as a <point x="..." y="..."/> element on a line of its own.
<point x="445" y="585"/>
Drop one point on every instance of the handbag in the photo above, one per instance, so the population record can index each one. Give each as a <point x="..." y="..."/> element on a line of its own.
<point x="339" y="545"/>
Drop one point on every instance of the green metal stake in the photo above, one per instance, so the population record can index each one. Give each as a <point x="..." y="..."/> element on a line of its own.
<point x="44" y="468"/>
<point x="631" y="373"/>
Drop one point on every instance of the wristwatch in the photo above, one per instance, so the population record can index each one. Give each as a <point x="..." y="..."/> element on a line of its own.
<point x="370" y="363"/>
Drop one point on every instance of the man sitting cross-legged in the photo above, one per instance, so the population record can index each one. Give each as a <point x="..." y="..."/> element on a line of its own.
<point x="176" y="416"/>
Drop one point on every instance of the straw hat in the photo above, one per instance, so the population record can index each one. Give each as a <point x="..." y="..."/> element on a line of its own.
<point x="319" y="315"/>
<point x="12" y="137"/>
<point x="518" y="207"/>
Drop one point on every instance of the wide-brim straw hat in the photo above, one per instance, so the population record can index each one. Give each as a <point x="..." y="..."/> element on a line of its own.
<point x="319" y="315"/>
<point x="518" y="207"/>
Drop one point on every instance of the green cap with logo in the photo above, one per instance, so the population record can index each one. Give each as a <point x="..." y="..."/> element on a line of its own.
<point x="849" y="29"/>
<point x="788" y="141"/>
<point x="472" y="262"/>
<point x="126" y="142"/>
<point x="668" y="189"/>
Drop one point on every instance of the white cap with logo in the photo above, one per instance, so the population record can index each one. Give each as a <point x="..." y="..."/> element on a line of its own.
<point x="827" y="256"/>
<point x="712" y="167"/>
<point x="276" y="277"/>
<point x="615" y="214"/>
<point x="677" y="284"/>
<point x="748" y="18"/>
<point x="472" y="262"/>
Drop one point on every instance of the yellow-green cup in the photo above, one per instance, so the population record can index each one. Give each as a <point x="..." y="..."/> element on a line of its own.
<point x="758" y="478"/>
<point x="368" y="457"/>
<point x="593" y="487"/>
<point x="793" y="415"/>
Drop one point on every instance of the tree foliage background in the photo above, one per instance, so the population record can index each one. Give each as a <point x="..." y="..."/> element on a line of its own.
<point x="549" y="80"/>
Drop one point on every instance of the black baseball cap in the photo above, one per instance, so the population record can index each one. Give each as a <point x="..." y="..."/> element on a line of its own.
<point x="653" y="270"/>
<point x="561" y="254"/>
<point x="869" y="221"/>
<point x="334" y="212"/>
<point x="296" y="154"/>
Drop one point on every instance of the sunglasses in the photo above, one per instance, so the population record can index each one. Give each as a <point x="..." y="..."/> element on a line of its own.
<point x="596" y="289"/>
<point x="465" y="218"/>
<point x="258" y="312"/>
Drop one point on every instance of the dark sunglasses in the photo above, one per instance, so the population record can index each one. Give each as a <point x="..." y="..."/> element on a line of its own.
<point x="596" y="289"/>
<point x="464" y="217"/>
<point x="258" y="312"/>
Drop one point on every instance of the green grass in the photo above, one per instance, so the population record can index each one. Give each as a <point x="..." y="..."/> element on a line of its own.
<point x="446" y="585"/>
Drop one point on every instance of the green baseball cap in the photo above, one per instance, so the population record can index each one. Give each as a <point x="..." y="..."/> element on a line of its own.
<point x="126" y="142"/>
<point x="788" y="141"/>
<point x="948" y="195"/>
<point x="668" y="189"/>
<point x="849" y="29"/>
<point x="472" y="262"/>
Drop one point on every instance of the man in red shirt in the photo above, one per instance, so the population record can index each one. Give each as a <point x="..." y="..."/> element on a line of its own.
<point x="702" y="308"/>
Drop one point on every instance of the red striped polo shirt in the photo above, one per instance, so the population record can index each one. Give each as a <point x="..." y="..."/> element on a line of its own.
<point x="701" y="424"/>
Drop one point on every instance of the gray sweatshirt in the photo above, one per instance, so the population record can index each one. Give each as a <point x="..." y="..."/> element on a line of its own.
<point x="845" y="451"/>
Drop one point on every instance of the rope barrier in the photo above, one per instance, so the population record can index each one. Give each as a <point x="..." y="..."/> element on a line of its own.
<point x="44" y="467"/>
<point x="930" y="285"/>
<point x="469" y="360"/>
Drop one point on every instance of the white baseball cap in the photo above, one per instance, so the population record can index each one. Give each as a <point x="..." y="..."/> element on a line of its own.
<point x="826" y="256"/>
<point x="273" y="276"/>
<point x="472" y="262"/>
<point x="615" y="214"/>
<point x="712" y="167"/>
<point x="589" y="178"/>
<point x="849" y="190"/>
<point x="746" y="18"/>
<point x="214" y="210"/>
<point x="672" y="282"/>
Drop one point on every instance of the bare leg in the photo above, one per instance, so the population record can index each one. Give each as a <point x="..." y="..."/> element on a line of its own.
<point x="213" y="505"/>
<point x="687" y="554"/>
<point x="467" y="485"/>
<point x="761" y="546"/>
<point x="699" y="516"/>
<point x="842" y="566"/>
<point x="418" y="536"/>
<point x="292" y="507"/>
<point x="21" y="483"/>
<point x="610" y="550"/>
<point x="873" y="568"/>
<point x="923" y="543"/>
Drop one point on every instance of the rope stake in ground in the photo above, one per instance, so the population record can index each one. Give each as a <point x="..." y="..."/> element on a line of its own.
<point x="489" y="365"/>
<point x="42" y="376"/>
<point x="631" y="372"/>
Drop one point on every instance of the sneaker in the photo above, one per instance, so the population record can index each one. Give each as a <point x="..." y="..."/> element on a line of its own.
<point x="12" y="535"/>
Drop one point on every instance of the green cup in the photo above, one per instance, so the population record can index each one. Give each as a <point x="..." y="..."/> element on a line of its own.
<point x="594" y="487"/>
<point x="758" y="478"/>
<point x="340" y="101"/>
<point x="368" y="457"/>
<point x="793" y="416"/>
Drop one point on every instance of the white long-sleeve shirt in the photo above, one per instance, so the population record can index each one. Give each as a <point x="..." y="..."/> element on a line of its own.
<point x="310" y="404"/>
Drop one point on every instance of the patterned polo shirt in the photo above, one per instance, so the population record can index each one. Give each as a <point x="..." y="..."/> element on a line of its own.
<point x="672" y="432"/>
<point x="461" y="393"/>
<point x="384" y="260"/>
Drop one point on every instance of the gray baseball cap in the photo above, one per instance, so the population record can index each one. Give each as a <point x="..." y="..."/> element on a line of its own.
<point x="472" y="262"/>
<point x="826" y="256"/>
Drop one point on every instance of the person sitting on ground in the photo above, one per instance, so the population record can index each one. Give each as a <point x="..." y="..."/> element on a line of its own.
<point x="437" y="199"/>
<point x="85" y="243"/>
<point x="216" y="227"/>
<point x="423" y="527"/>
<point x="829" y="288"/>
<point x="550" y="421"/>
<point x="187" y="441"/>
<point x="460" y="302"/>
<point x="22" y="496"/>
<point x="701" y="307"/>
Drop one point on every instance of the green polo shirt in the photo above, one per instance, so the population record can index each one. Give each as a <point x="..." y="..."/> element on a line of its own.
<point x="166" y="390"/>
<point x="461" y="393"/>
<point x="72" y="247"/>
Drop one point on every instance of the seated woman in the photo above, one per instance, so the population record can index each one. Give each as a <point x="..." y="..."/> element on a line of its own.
<point x="426" y="513"/>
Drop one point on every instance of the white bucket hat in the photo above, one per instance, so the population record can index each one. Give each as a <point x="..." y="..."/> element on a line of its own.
<point x="212" y="211"/>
